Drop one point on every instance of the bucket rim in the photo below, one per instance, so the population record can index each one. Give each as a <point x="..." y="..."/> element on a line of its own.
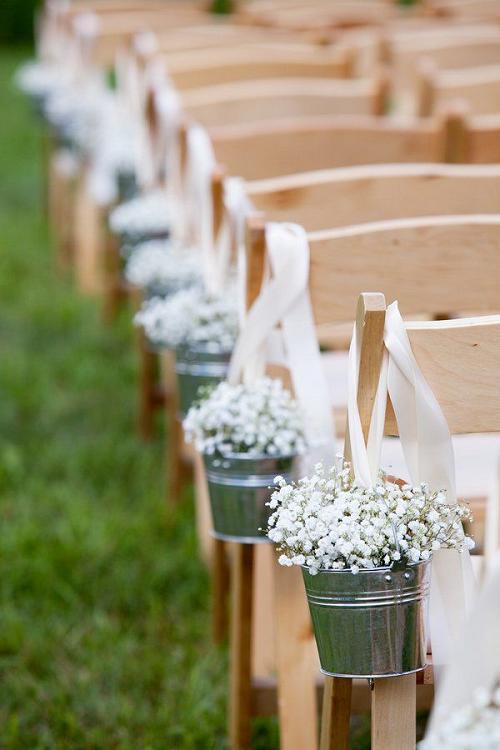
<point x="202" y="348"/>
<point x="382" y="569"/>
<point x="233" y="455"/>
<point x="373" y="676"/>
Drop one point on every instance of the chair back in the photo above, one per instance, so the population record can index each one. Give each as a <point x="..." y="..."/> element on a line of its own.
<point x="340" y="197"/>
<point x="282" y="147"/>
<point x="255" y="101"/>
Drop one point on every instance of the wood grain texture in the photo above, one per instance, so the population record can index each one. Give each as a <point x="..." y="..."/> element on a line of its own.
<point x="455" y="258"/>
<point x="297" y="661"/>
<point x="460" y="359"/>
<point x="478" y="86"/>
<point x="220" y="591"/>
<point x="225" y="34"/>
<point x="208" y="67"/>
<point x="203" y="512"/>
<point x="257" y="100"/>
<point x="276" y="148"/>
<point x="240" y="690"/>
<point x="340" y="197"/>
<point x="255" y="256"/>
<point x="484" y="139"/>
<point x="90" y="238"/>
<point x="263" y="626"/>
<point x="335" y="716"/>
<point x="394" y="713"/>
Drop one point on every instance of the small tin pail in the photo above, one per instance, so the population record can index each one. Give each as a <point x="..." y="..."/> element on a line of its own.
<point x="130" y="240"/>
<point x="373" y="623"/>
<point x="126" y="182"/>
<point x="196" y="367"/>
<point x="240" y="486"/>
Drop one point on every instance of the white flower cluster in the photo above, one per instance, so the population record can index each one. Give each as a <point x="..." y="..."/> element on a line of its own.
<point x="474" y="727"/>
<point x="257" y="419"/>
<point x="148" y="214"/>
<point x="76" y="110"/>
<point x="158" y="264"/>
<point x="114" y="149"/>
<point x="329" y="522"/>
<point x="191" y="317"/>
<point x="40" y="78"/>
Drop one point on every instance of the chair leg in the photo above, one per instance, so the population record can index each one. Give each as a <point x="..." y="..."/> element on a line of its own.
<point x="174" y="456"/>
<point x="220" y="587"/>
<point x="394" y="713"/>
<point x="297" y="662"/>
<point x="204" y="525"/>
<point x="240" y="695"/>
<point x="336" y="713"/>
<point x="113" y="292"/>
<point x="264" y="656"/>
<point x="147" y="385"/>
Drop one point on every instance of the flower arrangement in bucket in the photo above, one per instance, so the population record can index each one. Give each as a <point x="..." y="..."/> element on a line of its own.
<point x="247" y="434"/>
<point x="475" y="726"/>
<point x="161" y="268"/>
<point x="201" y="327"/>
<point x="365" y="554"/>
<point x="142" y="218"/>
<point x="114" y="154"/>
<point x="38" y="79"/>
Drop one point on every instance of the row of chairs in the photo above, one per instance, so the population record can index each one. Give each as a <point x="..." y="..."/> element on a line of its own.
<point x="409" y="225"/>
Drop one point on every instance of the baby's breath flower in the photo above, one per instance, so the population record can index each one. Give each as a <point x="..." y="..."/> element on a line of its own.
<point x="257" y="419"/>
<point x="148" y="214"/>
<point x="338" y="524"/>
<point x="190" y="317"/>
<point x="473" y="727"/>
<point x="159" y="266"/>
<point x="38" y="78"/>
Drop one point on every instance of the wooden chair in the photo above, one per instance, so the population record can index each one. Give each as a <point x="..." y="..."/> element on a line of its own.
<point x="199" y="68"/>
<point x="478" y="87"/>
<point x="116" y="28"/>
<point x="225" y="33"/>
<point x="376" y="192"/>
<point x="455" y="48"/>
<point x="256" y="101"/>
<point x="460" y="361"/>
<point x="327" y="142"/>
<point x="251" y="151"/>
<point x="400" y="255"/>
<point x="466" y="9"/>
<point x="339" y="15"/>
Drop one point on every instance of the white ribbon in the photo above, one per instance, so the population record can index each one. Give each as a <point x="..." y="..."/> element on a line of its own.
<point x="284" y="300"/>
<point x="476" y="658"/>
<point x="230" y="241"/>
<point x="426" y="443"/>
<point x="168" y="107"/>
<point x="200" y="165"/>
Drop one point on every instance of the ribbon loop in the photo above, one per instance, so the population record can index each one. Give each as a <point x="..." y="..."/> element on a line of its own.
<point x="428" y="451"/>
<point x="284" y="302"/>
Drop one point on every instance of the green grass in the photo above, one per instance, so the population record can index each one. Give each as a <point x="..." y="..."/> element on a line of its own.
<point x="104" y="635"/>
<point x="104" y="606"/>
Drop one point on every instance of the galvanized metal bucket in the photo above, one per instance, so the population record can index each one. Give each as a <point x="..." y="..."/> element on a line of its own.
<point x="127" y="185"/>
<point x="372" y="624"/>
<point x="130" y="240"/>
<point x="240" y="486"/>
<point x="196" y="367"/>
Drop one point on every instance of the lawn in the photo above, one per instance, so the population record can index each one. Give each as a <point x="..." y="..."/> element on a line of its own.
<point x="104" y="627"/>
<point x="104" y="606"/>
